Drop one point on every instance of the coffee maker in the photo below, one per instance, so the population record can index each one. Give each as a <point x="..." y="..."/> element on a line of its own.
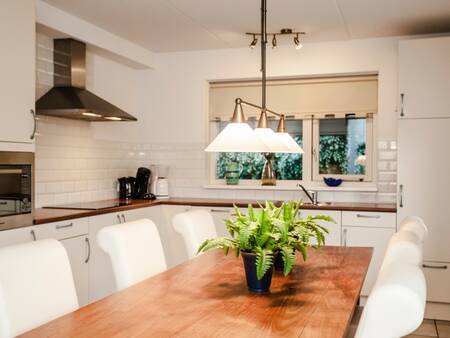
<point x="160" y="183"/>
<point x="141" y="186"/>
<point x="136" y="187"/>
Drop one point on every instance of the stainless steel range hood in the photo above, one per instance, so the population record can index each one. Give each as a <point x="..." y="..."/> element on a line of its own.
<point x="69" y="97"/>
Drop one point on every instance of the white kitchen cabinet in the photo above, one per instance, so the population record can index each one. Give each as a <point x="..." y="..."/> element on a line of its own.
<point x="78" y="251"/>
<point x="101" y="275"/>
<point x="62" y="230"/>
<point x="173" y="242"/>
<point x="17" y="69"/>
<point x="334" y="235"/>
<point x="16" y="236"/>
<point x="424" y="181"/>
<point x="375" y="237"/>
<point x="424" y="77"/>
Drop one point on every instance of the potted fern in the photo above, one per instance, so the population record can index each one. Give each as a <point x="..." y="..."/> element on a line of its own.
<point x="261" y="234"/>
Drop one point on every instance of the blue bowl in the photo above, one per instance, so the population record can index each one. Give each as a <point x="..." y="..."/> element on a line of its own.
<point x="332" y="182"/>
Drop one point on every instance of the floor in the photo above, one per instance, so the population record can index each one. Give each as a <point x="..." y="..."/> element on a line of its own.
<point x="429" y="328"/>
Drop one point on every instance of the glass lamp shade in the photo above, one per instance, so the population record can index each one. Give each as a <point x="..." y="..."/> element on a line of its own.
<point x="273" y="143"/>
<point x="289" y="143"/>
<point x="237" y="138"/>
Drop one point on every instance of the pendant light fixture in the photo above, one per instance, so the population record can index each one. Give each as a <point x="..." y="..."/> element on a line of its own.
<point x="237" y="136"/>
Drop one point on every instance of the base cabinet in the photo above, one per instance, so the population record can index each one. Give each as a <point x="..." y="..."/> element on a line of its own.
<point x="78" y="251"/>
<point x="378" y="239"/>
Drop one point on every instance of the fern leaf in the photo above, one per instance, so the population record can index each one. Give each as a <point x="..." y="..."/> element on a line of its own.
<point x="244" y="236"/>
<point x="288" y="256"/>
<point x="264" y="261"/>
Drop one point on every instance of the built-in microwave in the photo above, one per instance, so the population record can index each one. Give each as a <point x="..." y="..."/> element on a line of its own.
<point x="16" y="189"/>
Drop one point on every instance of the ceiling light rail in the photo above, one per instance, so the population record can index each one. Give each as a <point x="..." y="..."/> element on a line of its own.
<point x="283" y="32"/>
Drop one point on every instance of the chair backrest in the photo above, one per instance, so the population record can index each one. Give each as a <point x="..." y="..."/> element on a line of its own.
<point x="36" y="286"/>
<point x="405" y="247"/>
<point x="135" y="251"/>
<point x="396" y="305"/>
<point x="195" y="226"/>
<point x="416" y="225"/>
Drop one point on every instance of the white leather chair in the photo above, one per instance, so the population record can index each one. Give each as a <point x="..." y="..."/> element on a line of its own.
<point x="195" y="226"/>
<point x="135" y="251"/>
<point x="396" y="305"/>
<point x="416" y="225"/>
<point x="407" y="244"/>
<point x="36" y="286"/>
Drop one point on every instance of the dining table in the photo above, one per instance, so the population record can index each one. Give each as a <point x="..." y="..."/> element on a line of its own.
<point x="207" y="297"/>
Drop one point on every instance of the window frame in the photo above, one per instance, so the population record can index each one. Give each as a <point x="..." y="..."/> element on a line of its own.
<point x="367" y="177"/>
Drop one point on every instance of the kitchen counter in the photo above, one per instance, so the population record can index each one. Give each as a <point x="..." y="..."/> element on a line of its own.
<point x="44" y="215"/>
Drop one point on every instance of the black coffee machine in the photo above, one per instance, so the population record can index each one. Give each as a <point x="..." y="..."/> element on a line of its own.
<point x="136" y="187"/>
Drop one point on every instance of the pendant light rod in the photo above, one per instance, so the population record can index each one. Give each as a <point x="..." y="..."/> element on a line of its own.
<point x="263" y="52"/>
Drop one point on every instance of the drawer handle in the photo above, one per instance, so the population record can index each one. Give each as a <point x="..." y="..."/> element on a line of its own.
<point x="3" y="203"/>
<point x="1" y="223"/>
<point x="33" y="235"/>
<point x="220" y="211"/>
<point x="345" y="237"/>
<point x="368" y="216"/>
<point x="124" y="219"/>
<point x="118" y="217"/>
<point x="440" y="267"/>
<point x="58" y="227"/>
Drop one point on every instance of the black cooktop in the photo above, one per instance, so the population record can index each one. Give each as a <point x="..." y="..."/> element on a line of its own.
<point x="89" y="205"/>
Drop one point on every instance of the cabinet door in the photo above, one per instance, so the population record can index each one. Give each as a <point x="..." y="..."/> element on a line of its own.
<point x="424" y="77"/>
<point x="378" y="239"/>
<point x="152" y="213"/>
<point x="101" y="276"/>
<point x="17" y="69"/>
<point x="17" y="236"/>
<point x="173" y="243"/>
<point x="424" y="180"/>
<point x="334" y="235"/>
<point x="78" y="251"/>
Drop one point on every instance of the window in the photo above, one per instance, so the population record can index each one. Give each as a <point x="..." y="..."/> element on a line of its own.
<point x="287" y="166"/>
<point x="331" y="118"/>
<point x="342" y="147"/>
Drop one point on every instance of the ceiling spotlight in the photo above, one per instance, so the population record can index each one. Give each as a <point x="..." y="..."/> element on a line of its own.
<point x="298" y="45"/>
<point x="254" y="42"/>
<point x="274" y="41"/>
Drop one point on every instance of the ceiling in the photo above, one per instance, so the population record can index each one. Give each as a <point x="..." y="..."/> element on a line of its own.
<point x="179" y="25"/>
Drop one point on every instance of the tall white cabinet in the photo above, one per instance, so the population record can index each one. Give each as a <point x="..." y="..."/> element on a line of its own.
<point x="17" y="69"/>
<point x="423" y="156"/>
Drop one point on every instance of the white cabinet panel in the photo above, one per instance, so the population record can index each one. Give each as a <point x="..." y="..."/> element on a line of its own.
<point x="423" y="177"/>
<point x="378" y="239"/>
<point x="78" y="251"/>
<point x="61" y="230"/>
<point x="16" y="236"/>
<point x="17" y="69"/>
<point x="369" y="219"/>
<point x="334" y="235"/>
<point x="424" y="77"/>
<point x="173" y="243"/>
<point x="438" y="281"/>
<point x="101" y="275"/>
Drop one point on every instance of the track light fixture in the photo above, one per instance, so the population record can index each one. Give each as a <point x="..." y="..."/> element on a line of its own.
<point x="254" y="42"/>
<point x="297" y="42"/>
<point x="283" y="32"/>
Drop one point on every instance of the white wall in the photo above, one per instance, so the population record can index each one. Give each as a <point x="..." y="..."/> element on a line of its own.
<point x="171" y="103"/>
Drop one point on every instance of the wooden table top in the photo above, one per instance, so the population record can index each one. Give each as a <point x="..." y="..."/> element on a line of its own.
<point x="207" y="297"/>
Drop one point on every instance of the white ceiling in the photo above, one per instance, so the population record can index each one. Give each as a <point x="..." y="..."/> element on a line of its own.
<point x="178" y="25"/>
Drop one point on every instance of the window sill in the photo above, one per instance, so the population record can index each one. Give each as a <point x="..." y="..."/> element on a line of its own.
<point x="345" y="187"/>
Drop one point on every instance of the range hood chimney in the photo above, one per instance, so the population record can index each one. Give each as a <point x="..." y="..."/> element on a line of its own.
<point x="69" y="97"/>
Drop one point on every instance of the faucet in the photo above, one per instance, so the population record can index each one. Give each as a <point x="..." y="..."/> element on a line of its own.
<point x="312" y="195"/>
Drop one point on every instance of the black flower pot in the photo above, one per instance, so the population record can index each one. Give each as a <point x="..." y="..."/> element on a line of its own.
<point x="278" y="261"/>
<point x="253" y="283"/>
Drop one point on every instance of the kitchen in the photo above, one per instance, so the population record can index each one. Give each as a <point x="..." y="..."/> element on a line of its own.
<point x="396" y="84"/>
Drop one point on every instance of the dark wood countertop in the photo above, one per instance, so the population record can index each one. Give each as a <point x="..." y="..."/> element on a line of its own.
<point x="44" y="215"/>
